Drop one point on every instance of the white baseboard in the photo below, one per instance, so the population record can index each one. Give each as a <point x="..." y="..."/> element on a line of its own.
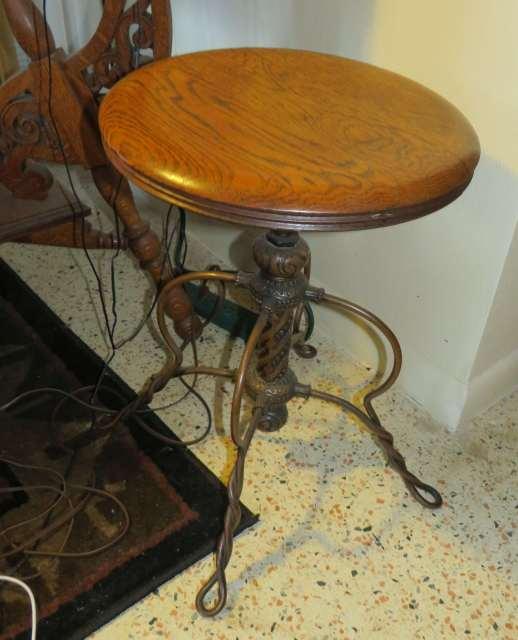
<point x="451" y="402"/>
<point x="491" y="385"/>
<point x="438" y="393"/>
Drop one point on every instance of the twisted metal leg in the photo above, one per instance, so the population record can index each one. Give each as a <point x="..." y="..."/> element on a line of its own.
<point x="395" y="458"/>
<point x="233" y="513"/>
<point x="232" y="519"/>
<point x="371" y="419"/>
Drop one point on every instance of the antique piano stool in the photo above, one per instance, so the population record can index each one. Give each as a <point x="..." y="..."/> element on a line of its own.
<point x="285" y="140"/>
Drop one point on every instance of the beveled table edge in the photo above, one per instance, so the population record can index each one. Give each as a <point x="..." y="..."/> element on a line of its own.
<point x="278" y="219"/>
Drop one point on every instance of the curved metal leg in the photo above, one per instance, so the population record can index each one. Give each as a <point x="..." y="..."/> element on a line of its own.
<point x="356" y="310"/>
<point x="235" y="485"/>
<point x="371" y="420"/>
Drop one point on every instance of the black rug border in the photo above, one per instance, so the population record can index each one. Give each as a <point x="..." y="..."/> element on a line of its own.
<point x="198" y="538"/>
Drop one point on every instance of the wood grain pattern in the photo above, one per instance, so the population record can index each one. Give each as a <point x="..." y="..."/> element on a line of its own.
<point x="288" y="139"/>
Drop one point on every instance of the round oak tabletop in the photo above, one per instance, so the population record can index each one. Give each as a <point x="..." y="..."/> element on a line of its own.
<point x="288" y="139"/>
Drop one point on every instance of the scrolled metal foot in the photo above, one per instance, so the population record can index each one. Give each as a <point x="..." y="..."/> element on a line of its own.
<point x="302" y="348"/>
<point x="300" y="345"/>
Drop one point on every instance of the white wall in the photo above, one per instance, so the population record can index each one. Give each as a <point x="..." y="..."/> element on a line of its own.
<point x="433" y="280"/>
<point x="500" y="336"/>
<point x="495" y="370"/>
<point x="72" y="22"/>
<point x="309" y="24"/>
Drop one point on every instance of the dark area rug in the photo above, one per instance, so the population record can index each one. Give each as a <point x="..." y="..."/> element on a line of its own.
<point x="175" y="503"/>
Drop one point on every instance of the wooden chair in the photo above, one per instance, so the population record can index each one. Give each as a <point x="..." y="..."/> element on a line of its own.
<point x="49" y="112"/>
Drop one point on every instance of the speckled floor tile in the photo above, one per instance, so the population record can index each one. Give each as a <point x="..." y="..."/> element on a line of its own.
<point x="341" y="550"/>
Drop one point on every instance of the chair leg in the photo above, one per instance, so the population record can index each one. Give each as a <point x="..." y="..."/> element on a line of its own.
<point x="146" y="246"/>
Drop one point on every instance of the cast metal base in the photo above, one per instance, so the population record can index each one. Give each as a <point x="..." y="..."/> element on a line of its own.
<point x="280" y="288"/>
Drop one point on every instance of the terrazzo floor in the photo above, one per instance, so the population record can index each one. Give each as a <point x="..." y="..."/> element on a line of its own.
<point x="341" y="550"/>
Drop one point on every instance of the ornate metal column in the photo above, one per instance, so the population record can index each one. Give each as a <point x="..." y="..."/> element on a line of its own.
<point x="278" y="288"/>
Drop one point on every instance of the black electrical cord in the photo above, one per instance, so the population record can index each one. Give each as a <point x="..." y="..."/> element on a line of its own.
<point x="59" y="141"/>
<point x="110" y="327"/>
<point x="180" y="251"/>
<point x="166" y="241"/>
